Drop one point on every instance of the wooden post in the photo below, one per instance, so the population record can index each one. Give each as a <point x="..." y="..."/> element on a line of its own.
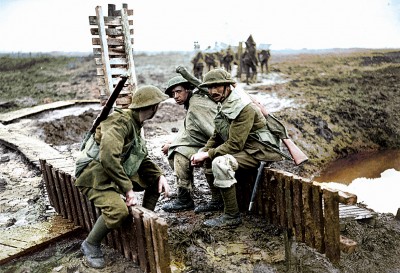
<point x="318" y="219"/>
<point x="298" y="210"/>
<point x="140" y="235"/>
<point x="308" y="212"/>
<point x="332" y="226"/>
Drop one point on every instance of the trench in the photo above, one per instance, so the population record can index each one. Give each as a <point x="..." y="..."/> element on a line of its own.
<point x="373" y="176"/>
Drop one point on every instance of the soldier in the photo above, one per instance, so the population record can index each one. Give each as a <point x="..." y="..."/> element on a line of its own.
<point x="198" y="65"/>
<point x="241" y="139"/>
<point x="120" y="165"/>
<point x="227" y="59"/>
<point x="263" y="57"/>
<point x="196" y="130"/>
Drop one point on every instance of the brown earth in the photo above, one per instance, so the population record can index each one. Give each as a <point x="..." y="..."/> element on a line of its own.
<point x="342" y="103"/>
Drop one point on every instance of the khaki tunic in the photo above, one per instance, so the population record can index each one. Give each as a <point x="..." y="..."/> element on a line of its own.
<point x="237" y="119"/>
<point x="198" y="126"/>
<point x="114" y="136"/>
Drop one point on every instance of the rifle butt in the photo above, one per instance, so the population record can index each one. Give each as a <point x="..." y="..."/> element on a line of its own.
<point x="298" y="156"/>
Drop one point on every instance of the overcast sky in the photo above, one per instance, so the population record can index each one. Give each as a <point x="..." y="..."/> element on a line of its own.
<point x="163" y="25"/>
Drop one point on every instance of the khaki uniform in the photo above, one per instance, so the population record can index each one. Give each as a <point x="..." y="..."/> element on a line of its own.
<point x="239" y="128"/>
<point x="198" y="127"/>
<point x="119" y="141"/>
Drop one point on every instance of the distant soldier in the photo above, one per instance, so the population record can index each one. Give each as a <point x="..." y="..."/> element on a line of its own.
<point x="248" y="66"/>
<point x="210" y="61"/>
<point x="198" y="65"/>
<point x="263" y="57"/>
<point x="227" y="59"/>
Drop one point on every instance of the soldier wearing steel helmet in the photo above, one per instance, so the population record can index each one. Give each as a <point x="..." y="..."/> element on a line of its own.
<point x="240" y="130"/>
<point x="120" y="165"/>
<point x="197" y="128"/>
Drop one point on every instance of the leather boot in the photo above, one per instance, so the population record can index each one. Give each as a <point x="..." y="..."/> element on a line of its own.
<point x="91" y="246"/>
<point x="216" y="203"/>
<point x="231" y="216"/>
<point x="183" y="202"/>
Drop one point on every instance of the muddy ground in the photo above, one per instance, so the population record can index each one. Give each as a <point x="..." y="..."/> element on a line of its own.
<point x="340" y="103"/>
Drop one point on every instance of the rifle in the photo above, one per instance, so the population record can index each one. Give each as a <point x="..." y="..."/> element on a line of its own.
<point x="105" y="110"/>
<point x="258" y="178"/>
<point x="297" y="155"/>
<point x="190" y="78"/>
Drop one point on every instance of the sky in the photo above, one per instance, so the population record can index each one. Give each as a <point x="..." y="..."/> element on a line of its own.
<point x="174" y="25"/>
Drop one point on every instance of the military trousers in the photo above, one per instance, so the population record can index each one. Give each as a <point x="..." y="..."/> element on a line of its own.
<point x="183" y="171"/>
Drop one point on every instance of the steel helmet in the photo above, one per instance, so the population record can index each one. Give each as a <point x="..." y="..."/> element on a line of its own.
<point x="147" y="95"/>
<point x="178" y="80"/>
<point x="217" y="76"/>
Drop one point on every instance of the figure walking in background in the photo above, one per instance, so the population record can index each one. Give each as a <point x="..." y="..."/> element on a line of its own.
<point x="263" y="57"/>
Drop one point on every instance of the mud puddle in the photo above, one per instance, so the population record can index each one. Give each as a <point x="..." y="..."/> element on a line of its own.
<point x="373" y="177"/>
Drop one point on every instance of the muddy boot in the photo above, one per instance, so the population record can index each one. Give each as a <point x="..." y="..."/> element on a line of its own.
<point x="183" y="202"/>
<point x="216" y="203"/>
<point x="91" y="246"/>
<point x="231" y="216"/>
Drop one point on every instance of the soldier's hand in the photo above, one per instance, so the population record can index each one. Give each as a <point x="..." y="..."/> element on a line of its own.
<point x="165" y="148"/>
<point x="198" y="158"/>
<point x="131" y="199"/>
<point x="163" y="186"/>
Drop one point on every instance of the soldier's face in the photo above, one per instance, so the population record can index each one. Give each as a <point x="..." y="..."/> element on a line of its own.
<point x="218" y="92"/>
<point x="180" y="94"/>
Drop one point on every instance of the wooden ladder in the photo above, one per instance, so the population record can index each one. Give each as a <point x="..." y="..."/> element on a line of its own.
<point x="113" y="52"/>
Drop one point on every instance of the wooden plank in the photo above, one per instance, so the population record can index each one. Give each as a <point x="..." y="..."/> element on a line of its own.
<point x="113" y="71"/>
<point x="113" y="61"/>
<point x="271" y="191"/>
<point x="332" y="226"/>
<point x="164" y="259"/>
<point x="111" y="52"/>
<point x="125" y="230"/>
<point x="107" y="20"/>
<point x="77" y="199"/>
<point x="289" y="201"/>
<point x="74" y="211"/>
<point x="281" y="202"/>
<point x="140" y="235"/>
<point x="344" y="197"/>
<point x="308" y="212"/>
<point x="149" y="243"/>
<point x="52" y="192"/>
<point x="110" y="31"/>
<point x="21" y="240"/>
<point x="46" y="181"/>
<point x="298" y="210"/>
<point x="65" y="193"/>
<point x="104" y="50"/>
<point x="318" y="218"/>
<point x="85" y="212"/>
<point x="118" y="12"/>
<point x="110" y="41"/>
<point x="91" y="212"/>
<point x="132" y="80"/>
<point x="59" y="192"/>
